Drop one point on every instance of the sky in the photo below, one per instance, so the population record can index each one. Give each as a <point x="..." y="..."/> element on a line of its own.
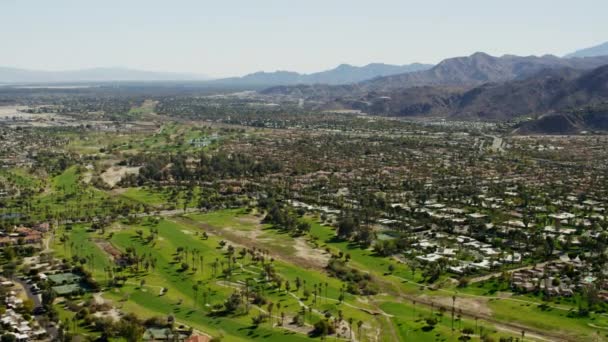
<point x="234" y="37"/>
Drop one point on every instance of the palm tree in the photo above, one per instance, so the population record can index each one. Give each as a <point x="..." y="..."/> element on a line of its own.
<point x="195" y="289"/>
<point x="453" y="307"/>
<point x="279" y="307"/>
<point x="270" y="307"/>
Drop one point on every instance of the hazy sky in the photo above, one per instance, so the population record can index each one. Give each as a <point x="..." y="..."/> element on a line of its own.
<point x="232" y="37"/>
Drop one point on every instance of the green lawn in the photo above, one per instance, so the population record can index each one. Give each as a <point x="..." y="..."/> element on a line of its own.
<point x="164" y="197"/>
<point x="188" y="308"/>
<point x="166" y="274"/>
<point x="81" y="243"/>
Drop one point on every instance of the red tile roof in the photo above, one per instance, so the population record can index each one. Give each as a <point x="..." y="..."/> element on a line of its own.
<point x="198" y="338"/>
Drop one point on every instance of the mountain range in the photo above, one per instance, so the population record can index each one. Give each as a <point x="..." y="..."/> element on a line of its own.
<point x="549" y="90"/>
<point x="15" y="75"/>
<point x="476" y="87"/>
<point x="343" y="74"/>
<point x="460" y="72"/>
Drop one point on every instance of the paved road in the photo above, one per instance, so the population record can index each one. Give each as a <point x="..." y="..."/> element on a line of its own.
<point x="30" y="294"/>
<point x="50" y="330"/>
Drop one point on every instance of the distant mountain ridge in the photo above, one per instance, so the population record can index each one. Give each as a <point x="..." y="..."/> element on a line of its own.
<point x="550" y="90"/>
<point x="594" y="51"/>
<point x="16" y="75"/>
<point x="480" y="68"/>
<point x="342" y="74"/>
<point x="463" y="72"/>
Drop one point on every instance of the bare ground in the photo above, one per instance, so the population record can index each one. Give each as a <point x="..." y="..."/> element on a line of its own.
<point x="108" y="248"/>
<point x="304" y="250"/>
<point x="465" y="303"/>
<point x="251" y="239"/>
<point x="114" y="174"/>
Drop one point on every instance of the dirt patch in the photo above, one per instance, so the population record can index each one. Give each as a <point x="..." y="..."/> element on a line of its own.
<point x="250" y="234"/>
<point x="86" y="177"/>
<point x="304" y="250"/>
<point x="109" y="249"/>
<point x="249" y="239"/>
<point x="478" y="305"/>
<point x="118" y="191"/>
<point x="114" y="174"/>
<point x="248" y="220"/>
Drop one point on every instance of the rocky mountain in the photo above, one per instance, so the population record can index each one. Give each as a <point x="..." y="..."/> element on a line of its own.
<point x="481" y="68"/>
<point x="549" y="90"/>
<point x="460" y="72"/>
<point x="598" y="50"/>
<point x="572" y="122"/>
<point x="15" y="75"/>
<point x="343" y="74"/>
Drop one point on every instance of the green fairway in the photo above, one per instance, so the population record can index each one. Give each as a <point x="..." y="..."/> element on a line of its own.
<point x="80" y="242"/>
<point x="191" y="307"/>
<point x="188" y="307"/>
<point x="163" y="197"/>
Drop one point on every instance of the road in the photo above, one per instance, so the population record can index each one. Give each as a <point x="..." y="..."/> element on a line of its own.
<point x="50" y="330"/>
<point x="30" y="294"/>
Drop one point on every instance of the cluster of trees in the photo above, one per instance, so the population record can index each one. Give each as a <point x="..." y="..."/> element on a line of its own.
<point x="359" y="283"/>
<point x="129" y="327"/>
<point x="349" y="227"/>
<point x="178" y="167"/>
<point x="135" y="260"/>
<point x="286" y="219"/>
<point x="53" y="163"/>
<point x="390" y="247"/>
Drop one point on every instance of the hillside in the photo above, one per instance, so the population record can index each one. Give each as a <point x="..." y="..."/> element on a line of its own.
<point x="548" y="91"/>
<point x="598" y="50"/>
<point x="573" y="122"/>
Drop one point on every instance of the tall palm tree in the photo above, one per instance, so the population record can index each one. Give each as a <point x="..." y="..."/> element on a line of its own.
<point x="195" y="289"/>
<point x="270" y="307"/>
<point x="453" y="307"/>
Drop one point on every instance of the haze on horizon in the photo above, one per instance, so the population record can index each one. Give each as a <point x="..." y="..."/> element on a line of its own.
<point x="237" y="37"/>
